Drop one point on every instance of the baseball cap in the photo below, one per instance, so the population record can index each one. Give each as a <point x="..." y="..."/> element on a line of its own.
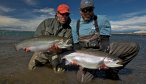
<point x="63" y="8"/>
<point x="86" y="3"/>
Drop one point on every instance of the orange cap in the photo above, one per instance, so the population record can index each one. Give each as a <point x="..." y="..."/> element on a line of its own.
<point x="63" y="8"/>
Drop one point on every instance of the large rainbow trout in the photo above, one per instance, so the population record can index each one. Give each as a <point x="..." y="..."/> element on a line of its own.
<point x="43" y="43"/>
<point x="91" y="59"/>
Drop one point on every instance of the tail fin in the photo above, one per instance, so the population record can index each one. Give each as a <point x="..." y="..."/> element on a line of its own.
<point x="16" y="47"/>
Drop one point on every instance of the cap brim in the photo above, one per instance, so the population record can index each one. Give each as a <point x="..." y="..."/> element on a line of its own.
<point x="81" y="7"/>
<point x="63" y="11"/>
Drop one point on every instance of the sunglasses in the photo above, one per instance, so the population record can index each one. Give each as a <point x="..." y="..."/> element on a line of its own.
<point x="64" y="14"/>
<point x="87" y="9"/>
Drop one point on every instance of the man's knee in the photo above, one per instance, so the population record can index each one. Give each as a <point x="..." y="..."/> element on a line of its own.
<point x="36" y="60"/>
<point x="131" y="53"/>
<point x="135" y="46"/>
<point x="58" y="65"/>
<point x="33" y="64"/>
<point x="55" y="60"/>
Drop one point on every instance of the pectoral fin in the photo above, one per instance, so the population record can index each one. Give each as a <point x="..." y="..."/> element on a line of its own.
<point x="67" y="62"/>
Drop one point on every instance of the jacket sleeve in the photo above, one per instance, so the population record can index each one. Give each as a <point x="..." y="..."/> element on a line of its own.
<point x="70" y="37"/>
<point x="40" y="29"/>
<point x="105" y="33"/>
<point x="104" y="43"/>
<point x="104" y="25"/>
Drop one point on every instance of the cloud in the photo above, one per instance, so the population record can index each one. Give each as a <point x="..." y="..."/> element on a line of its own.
<point x="133" y="23"/>
<point x="31" y="2"/>
<point x="132" y="14"/>
<point x="12" y="23"/>
<point x="7" y="22"/>
<point x="49" y="11"/>
<point x="5" y="9"/>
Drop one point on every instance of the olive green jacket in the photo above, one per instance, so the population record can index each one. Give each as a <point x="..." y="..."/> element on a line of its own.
<point x="51" y="26"/>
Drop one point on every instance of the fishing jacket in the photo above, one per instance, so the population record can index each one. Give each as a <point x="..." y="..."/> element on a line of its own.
<point x="98" y="28"/>
<point x="51" y="26"/>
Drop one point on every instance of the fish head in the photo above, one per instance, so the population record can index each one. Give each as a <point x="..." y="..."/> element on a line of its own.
<point x="110" y="62"/>
<point x="69" y="58"/>
<point x="64" y="43"/>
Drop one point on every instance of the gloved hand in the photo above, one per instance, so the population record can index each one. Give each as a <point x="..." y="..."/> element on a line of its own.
<point x="54" y="48"/>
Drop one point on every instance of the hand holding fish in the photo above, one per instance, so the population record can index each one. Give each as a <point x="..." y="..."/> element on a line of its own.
<point x="26" y="49"/>
<point x="103" y="67"/>
<point x="54" y="48"/>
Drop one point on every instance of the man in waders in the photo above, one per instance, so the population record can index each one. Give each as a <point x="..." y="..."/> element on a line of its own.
<point x="58" y="26"/>
<point x="94" y="31"/>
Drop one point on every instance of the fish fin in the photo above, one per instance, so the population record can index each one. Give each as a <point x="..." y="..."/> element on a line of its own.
<point x="67" y="63"/>
<point x="16" y="48"/>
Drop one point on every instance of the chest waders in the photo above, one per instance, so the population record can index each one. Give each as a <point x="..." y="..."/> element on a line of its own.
<point x="95" y="43"/>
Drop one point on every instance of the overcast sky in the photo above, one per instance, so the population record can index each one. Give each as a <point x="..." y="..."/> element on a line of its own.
<point x="124" y="15"/>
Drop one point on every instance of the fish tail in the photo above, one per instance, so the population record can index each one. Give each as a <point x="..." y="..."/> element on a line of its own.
<point x="16" y="47"/>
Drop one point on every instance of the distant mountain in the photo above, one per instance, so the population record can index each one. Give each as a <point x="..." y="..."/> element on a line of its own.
<point x="123" y="31"/>
<point x="143" y="32"/>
